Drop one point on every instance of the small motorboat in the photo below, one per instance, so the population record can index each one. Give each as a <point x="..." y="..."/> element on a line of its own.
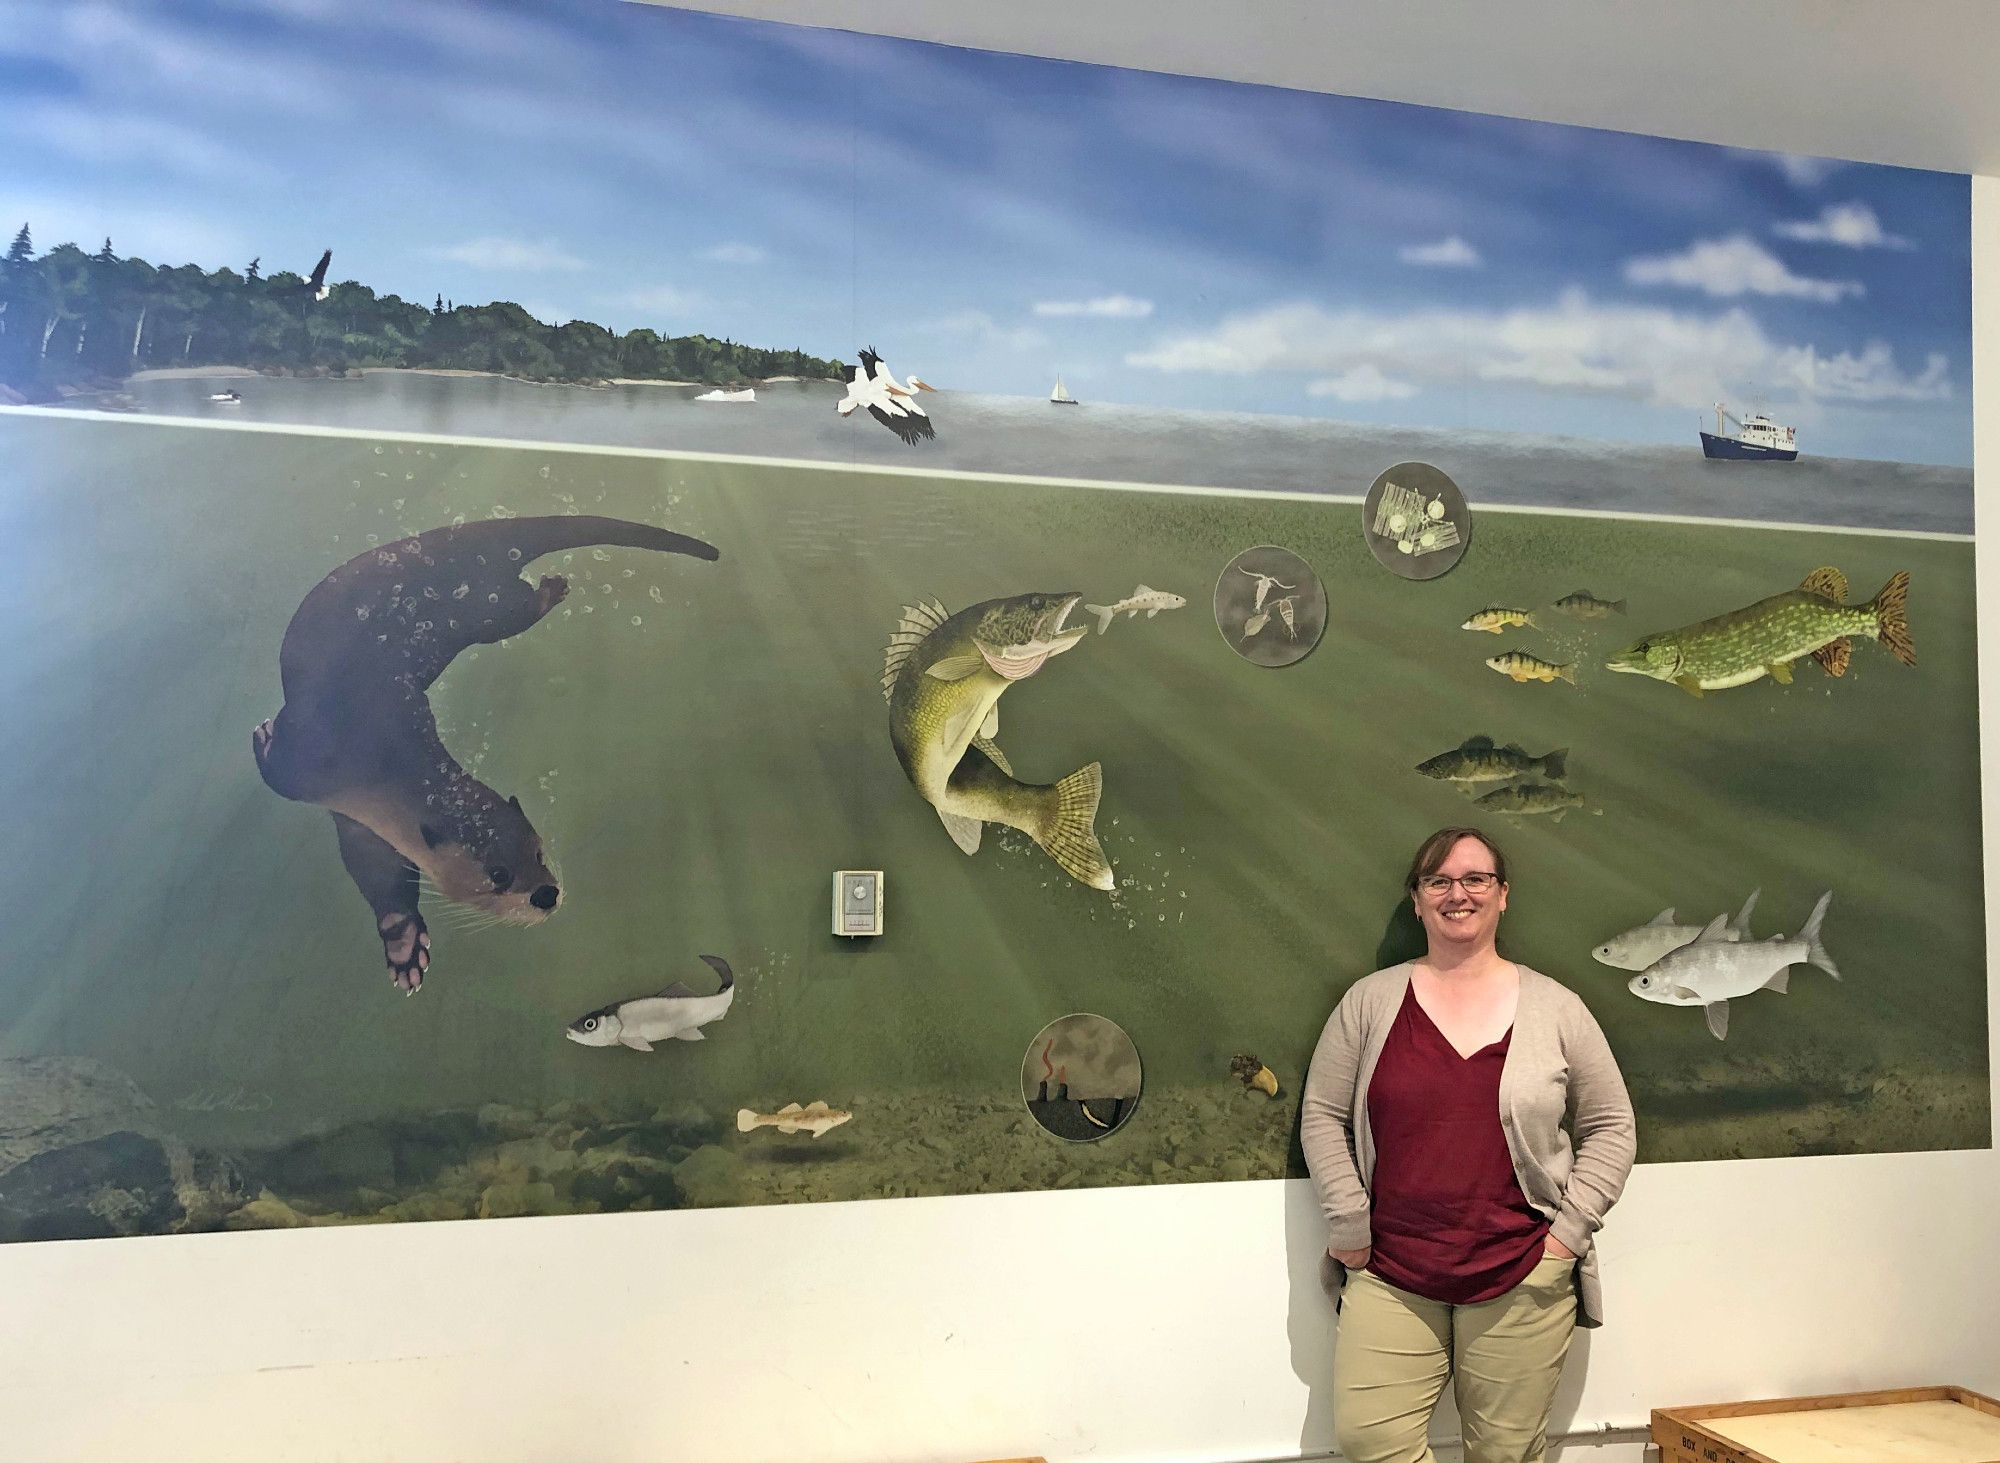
<point x="747" y="393"/>
<point x="225" y="398"/>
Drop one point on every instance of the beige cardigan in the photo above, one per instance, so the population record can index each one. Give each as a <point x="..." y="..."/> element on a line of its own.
<point x="1563" y="1107"/>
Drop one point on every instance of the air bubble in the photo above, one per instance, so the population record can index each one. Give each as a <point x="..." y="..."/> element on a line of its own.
<point x="515" y="555"/>
<point x="635" y="619"/>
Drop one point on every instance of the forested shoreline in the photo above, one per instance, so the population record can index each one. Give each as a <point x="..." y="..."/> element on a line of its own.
<point x="74" y="320"/>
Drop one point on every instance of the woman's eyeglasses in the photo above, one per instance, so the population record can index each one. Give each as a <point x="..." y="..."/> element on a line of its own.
<point x="1439" y="885"/>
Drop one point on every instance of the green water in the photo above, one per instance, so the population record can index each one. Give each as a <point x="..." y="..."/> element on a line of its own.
<point x="700" y="774"/>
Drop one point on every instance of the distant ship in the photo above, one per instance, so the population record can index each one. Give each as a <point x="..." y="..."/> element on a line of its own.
<point x="1060" y="396"/>
<point x="1757" y="439"/>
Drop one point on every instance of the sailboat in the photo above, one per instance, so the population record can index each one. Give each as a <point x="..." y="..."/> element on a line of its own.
<point x="1060" y="396"/>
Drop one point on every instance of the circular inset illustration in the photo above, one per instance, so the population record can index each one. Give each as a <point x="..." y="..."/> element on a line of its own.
<point x="1416" y="520"/>
<point x="1080" y="1077"/>
<point x="1270" y="606"/>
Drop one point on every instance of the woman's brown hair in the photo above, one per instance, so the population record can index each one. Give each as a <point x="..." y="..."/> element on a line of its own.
<point x="1437" y="848"/>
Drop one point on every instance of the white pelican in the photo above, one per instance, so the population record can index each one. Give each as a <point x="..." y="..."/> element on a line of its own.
<point x="888" y="400"/>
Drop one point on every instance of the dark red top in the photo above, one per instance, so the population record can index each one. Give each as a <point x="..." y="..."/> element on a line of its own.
<point x="1450" y="1222"/>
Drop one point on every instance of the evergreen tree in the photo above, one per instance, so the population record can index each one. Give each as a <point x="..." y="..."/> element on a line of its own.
<point x="438" y="308"/>
<point x="250" y="271"/>
<point x="23" y="248"/>
<point x="104" y="255"/>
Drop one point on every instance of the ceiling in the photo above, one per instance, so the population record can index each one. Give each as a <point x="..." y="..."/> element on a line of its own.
<point x="1915" y="83"/>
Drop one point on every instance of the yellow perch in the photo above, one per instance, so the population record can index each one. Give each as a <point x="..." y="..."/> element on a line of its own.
<point x="1519" y="666"/>
<point x="1498" y="618"/>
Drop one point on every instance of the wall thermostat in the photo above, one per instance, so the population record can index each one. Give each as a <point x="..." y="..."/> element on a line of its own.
<point x="857" y="902"/>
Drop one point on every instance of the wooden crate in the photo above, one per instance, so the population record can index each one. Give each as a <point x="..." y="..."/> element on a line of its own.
<point x="1906" y="1425"/>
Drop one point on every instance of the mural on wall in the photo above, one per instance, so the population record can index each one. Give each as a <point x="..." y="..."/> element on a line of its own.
<point x="444" y="519"/>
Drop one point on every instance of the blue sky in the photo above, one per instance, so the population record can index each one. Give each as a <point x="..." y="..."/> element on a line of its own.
<point x="988" y="220"/>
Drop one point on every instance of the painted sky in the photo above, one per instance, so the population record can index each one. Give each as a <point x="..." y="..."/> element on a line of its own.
<point x="989" y="219"/>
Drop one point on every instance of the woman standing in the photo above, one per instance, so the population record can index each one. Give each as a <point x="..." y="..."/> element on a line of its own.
<point x="1468" y="1129"/>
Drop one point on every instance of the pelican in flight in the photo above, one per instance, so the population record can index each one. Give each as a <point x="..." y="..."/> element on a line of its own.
<point x="888" y="400"/>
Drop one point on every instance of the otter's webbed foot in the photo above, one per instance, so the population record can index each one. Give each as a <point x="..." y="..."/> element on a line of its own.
<point x="552" y="591"/>
<point x="406" y="946"/>
<point x="260" y="738"/>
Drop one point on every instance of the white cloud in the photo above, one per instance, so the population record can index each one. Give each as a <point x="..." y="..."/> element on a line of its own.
<point x="497" y="253"/>
<point x="1853" y="225"/>
<point x="1451" y="253"/>
<point x="94" y="135"/>
<point x="736" y="254"/>
<point x="1735" y="266"/>
<point x="1651" y="355"/>
<point x="1361" y="383"/>
<point x="664" y="298"/>
<point x="981" y="326"/>
<point x="1106" y="307"/>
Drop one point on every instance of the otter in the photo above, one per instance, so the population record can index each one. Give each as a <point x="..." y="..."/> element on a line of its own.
<point x="357" y="737"/>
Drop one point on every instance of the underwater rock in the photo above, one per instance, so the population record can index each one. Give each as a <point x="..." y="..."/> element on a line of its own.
<point x="710" y="1177"/>
<point x="430" y="1207"/>
<point x="54" y="1102"/>
<point x="120" y="1184"/>
<point x="503" y="1120"/>
<point x="268" y="1211"/>
<point x="511" y="1200"/>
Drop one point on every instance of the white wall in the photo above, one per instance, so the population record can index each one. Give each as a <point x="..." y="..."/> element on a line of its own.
<point x="941" y="1328"/>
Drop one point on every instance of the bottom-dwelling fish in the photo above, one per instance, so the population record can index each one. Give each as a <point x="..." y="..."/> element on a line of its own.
<point x="1644" y="944"/>
<point x="1714" y="970"/>
<point x="1476" y="760"/>
<point x="815" y="1118"/>
<point x="1528" y="798"/>
<point x="1764" y="639"/>
<point x="675" y="1014"/>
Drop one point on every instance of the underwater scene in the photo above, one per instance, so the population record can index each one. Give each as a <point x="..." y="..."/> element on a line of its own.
<point x="410" y="829"/>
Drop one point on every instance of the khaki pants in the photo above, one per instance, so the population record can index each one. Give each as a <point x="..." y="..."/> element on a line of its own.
<point x="1394" y="1352"/>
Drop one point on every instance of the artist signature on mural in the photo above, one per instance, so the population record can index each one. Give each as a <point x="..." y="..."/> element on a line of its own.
<point x="224" y="1099"/>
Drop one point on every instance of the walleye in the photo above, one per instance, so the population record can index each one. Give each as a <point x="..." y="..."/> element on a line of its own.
<point x="675" y="1014"/>
<point x="1152" y="601"/>
<point x="1498" y="618"/>
<point x="1477" y="760"/>
<point x="1646" y="944"/>
<point x="943" y="676"/>
<point x="815" y="1118"/>
<point x="1714" y="970"/>
<point x="1764" y="639"/>
<point x="1528" y="798"/>
<point x="1519" y="666"/>
<point x="1583" y="605"/>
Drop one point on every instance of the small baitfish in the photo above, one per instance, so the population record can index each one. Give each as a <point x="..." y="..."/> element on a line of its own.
<point x="1583" y="605"/>
<point x="675" y="1014"/>
<point x="1519" y="666"/>
<point x="1477" y="760"/>
<point x="1528" y="798"/>
<point x="1715" y="970"/>
<point x="1497" y="618"/>
<point x="815" y="1118"/>
<point x="1152" y="601"/>
<point x="1764" y="639"/>
<point x="1645" y="944"/>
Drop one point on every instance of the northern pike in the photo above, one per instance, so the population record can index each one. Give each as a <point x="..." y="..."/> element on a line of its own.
<point x="1528" y="798"/>
<point x="1518" y="666"/>
<point x="1152" y="601"/>
<point x="1645" y="944"/>
<point x="1764" y="639"/>
<point x="1714" y="970"/>
<point x="1497" y="618"/>
<point x="1477" y="760"/>
<point x="675" y="1014"/>
<point x="1583" y="605"/>
<point x="943" y="676"/>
